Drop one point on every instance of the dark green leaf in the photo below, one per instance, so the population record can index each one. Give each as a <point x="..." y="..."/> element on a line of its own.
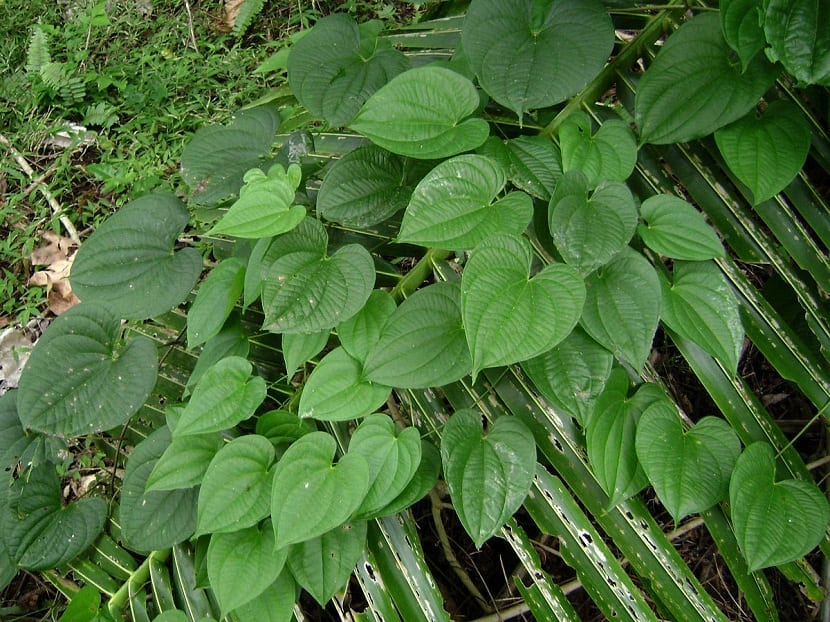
<point x="282" y="427"/>
<point x="421" y="483"/>
<point x="672" y="227"/>
<point x="359" y="334"/>
<point x="610" y="154"/>
<point x="797" y="31"/>
<point x="742" y="28"/>
<point x="215" y="300"/>
<point x="231" y="341"/>
<point x="535" y="165"/>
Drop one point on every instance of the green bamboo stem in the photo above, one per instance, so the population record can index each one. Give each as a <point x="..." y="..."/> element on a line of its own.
<point x="138" y="578"/>
<point x="412" y="279"/>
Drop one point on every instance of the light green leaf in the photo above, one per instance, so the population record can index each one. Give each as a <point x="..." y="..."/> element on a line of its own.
<point x="509" y="317"/>
<point x="422" y="113"/>
<point x="253" y="273"/>
<point x="264" y="207"/>
<point x="80" y="378"/>
<point x="359" y="334"/>
<point x="489" y="475"/>
<point x="766" y="152"/>
<point x="741" y="24"/>
<point x="154" y="520"/>
<point x="323" y="564"/>
<point x="275" y="604"/>
<point x="672" y="227"/>
<point x="610" y="434"/>
<point x="610" y="154"/>
<point x="337" y="390"/>
<point x="623" y="307"/>
<point x="236" y="489"/>
<point x="572" y="374"/>
<point x="231" y="341"/>
<point x="455" y="206"/>
<point x="336" y="66"/>
<point x="184" y="462"/>
<point x="364" y="187"/>
<point x="225" y="395"/>
<point x="774" y="522"/>
<point x="589" y="228"/>
<point x="298" y="348"/>
<point x="421" y="483"/>
<point x="84" y="606"/>
<point x="423" y="343"/>
<point x="129" y="264"/>
<point x="215" y="300"/>
<point x="535" y="165"/>
<point x="217" y="157"/>
<point x="171" y="615"/>
<point x="282" y="427"/>
<point x="393" y="457"/>
<point x="243" y="564"/>
<point x="304" y="291"/>
<point x="511" y="44"/>
<point x="689" y="470"/>
<point x="310" y="495"/>
<point x="797" y="31"/>
<point x="713" y="92"/>
<point x="700" y="306"/>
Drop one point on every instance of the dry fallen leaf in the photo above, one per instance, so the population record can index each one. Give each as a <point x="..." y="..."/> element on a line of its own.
<point x="57" y="248"/>
<point x="15" y="346"/>
<point x="231" y="10"/>
<point x="55" y="279"/>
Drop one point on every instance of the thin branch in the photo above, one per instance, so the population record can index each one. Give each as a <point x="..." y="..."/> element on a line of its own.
<point x="190" y="26"/>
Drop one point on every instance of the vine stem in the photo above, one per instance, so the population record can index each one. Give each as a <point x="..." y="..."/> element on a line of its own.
<point x="138" y="578"/>
<point x="652" y="31"/>
<point x="412" y="279"/>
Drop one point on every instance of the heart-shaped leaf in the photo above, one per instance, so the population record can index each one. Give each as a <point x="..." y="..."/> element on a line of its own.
<point x="589" y="228"/>
<point x="774" y="522"/>
<point x="610" y="154"/>
<point x="337" y="390"/>
<point x="700" y="306"/>
<point x="359" y="334"/>
<point x="81" y="379"/>
<point x="298" y="348"/>
<point x="455" y="206"/>
<point x="275" y="604"/>
<point x="766" y="152"/>
<point x="225" y="395"/>
<point x="184" y="462"/>
<point x="511" y="43"/>
<point x="689" y="470"/>
<point x="488" y="476"/>
<point x="311" y="496"/>
<point x="323" y="564"/>
<point x="715" y="91"/>
<point x="217" y="157"/>
<point x="741" y="24"/>
<point x="572" y="374"/>
<point x="423" y="343"/>
<point x="393" y="457"/>
<point x="338" y="65"/>
<point x="797" y="32"/>
<point x="672" y="227"/>
<point x="535" y="165"/>
<point x="509" y="317"/>
<point x="264" y="207"/>
<point x="241" y="565"/>
<point x="304" y="291"/>
<point x="282" y="427"/>
<point x="623" y="306"/>
<point x="128" y="263"/>
<point x="236" y="489"/>
<point x="422" y="113"/>
<point x="231" y="341"/>
<point x="421" y="483"/>
<point x="364" y="187"/>
<point x="215" y="300"/>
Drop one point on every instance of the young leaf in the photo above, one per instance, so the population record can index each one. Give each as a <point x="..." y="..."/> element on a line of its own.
<point x="774" y="522"/>
<point x="689" y="470"/>
<point x="275" y="604"/>
<point x="359" y="334"/>
<point x="184" y="462"/>
<point x="488" y="476"/>
<point x="455" y="206"/>
<point x="623" y="306"/>
<point x="224" y="396"/>
<point x="421" y="483"/>
<point x="589" y="228"/>
<point x="509" y="317"/>
<point x="338" y="65"/>
<point x="741" y="24"/>
<point x="700" y="306"/>
<point x="572" y="374"/>
<point x="535" y="165"/>
<point x="243" y="564"/>
<point x="215" y="300"/>
<point x="797" y="31"/>
<point x="231" y="341"/>
<point x="298" y="348"/>
<point x="423" y="343"/>
<point x="337" y="390"/>
<point x="323" y="564"/>
<point x="80" y="378"/>
<point x="364" y="187"/>
<point x="264" y="207"/>
<point x="236" y="489"/>
<point x="422" y="113"/>
<point x="393" y="457"/>
<point x="282" y="427"/>
<point x="511" y="43"/>
<point x="672" y="227"/>
<point x="713" y="91"/>
<point x="304" y="291"/>
<point x="129" y="264"/>
<point x="766" y="152"/>
<point x="610" y="154"/>
<point x="310" y="496"/>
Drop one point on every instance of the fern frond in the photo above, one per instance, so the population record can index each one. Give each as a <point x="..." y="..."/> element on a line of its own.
<point x="101" y="114"/>
<point x="247" y="12"/>
<point x="37" y="55"/>
<point x="73" y="90"/>
<point x="54" y="75"/>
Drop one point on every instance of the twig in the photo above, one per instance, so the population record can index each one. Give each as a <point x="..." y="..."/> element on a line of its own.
<point x="190" y="26"/>
<point x="50" y="199"/>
